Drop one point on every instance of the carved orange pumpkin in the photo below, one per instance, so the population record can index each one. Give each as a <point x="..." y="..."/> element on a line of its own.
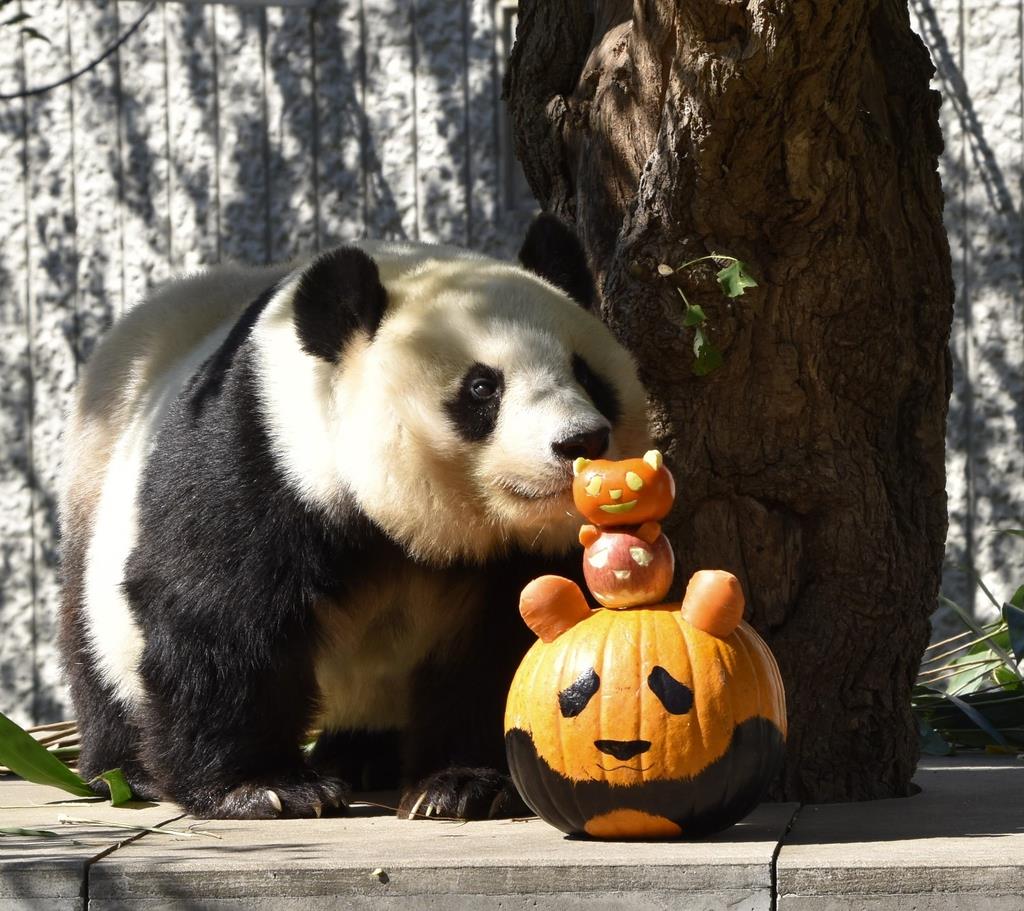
<point x="624" y="492"/>
<point x="636" y="723"/>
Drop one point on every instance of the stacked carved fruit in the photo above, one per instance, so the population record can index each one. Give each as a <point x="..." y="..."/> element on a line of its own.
<point x="640" y="719"/>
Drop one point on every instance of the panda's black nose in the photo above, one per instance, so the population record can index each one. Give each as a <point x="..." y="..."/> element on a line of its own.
<point x="591" y="444"/>
<point x="623" y="749"/>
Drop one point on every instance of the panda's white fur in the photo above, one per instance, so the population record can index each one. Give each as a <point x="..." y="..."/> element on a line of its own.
<point x="447" y="309"/>
<point x="367" y="428"/>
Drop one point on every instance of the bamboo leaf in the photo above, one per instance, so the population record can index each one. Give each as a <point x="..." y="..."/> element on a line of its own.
<point x="972" y="624"/>
<point x="1013" y="614"/>
<point x="23" y="756"/>
<point x="36" y="833"/>
<point x="120" y="790"/>
<point x="978" y="718"/>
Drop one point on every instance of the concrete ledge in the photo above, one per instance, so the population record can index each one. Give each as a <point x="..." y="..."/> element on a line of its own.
<point x="426" y="864"/>
<point x="51" y="873"/>
<point x="959" y="844"/>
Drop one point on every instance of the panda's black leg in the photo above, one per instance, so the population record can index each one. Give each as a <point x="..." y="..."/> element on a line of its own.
<point x="455" y="762"/>
<point x="224" y="725"/>
<point x="109" y="737"/>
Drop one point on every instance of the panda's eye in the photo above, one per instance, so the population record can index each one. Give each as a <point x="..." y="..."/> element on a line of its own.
<point x="483" y="388"/>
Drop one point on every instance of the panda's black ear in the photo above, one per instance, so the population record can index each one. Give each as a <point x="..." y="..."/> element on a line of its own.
<point x="339" y="293"/>
<point x="553" y="251"/>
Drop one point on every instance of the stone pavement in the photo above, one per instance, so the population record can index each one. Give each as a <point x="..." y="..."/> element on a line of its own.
<point x="957" y="845"/>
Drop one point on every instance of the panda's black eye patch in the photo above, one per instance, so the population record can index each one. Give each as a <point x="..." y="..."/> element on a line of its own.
<point x="574" y="698"/>
<point x="474" y="408"/>
<point x="601" y="393"/>
<point x="675" y="696"/>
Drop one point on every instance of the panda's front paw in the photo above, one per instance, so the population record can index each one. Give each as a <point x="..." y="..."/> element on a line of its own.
<point x="302" y="795"/>
<point x="460" y="793"/>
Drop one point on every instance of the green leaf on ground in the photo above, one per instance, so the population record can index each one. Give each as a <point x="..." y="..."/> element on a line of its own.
<point x="35" y="833"/>
<point x="120" y="790"/>
<point x="734" y="279"/>
<point x="24" y="756"/>
<point x="706" y="356"/>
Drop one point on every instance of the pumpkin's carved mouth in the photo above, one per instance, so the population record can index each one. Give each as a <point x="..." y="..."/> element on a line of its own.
<point x="629" y="768"/>
<point x="618" y="507"/>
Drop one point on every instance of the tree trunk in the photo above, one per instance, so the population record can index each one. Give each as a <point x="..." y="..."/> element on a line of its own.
<point x="802" y="138"/>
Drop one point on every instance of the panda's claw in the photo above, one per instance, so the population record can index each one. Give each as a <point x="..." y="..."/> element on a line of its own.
<point x="274" y="800"/>
<point x="302" y="795"/>
<point x="415" y="808"/>
<point x="464" y="793"/>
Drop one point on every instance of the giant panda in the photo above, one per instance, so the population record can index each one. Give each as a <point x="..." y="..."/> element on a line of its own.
<point x="307" y="497"/>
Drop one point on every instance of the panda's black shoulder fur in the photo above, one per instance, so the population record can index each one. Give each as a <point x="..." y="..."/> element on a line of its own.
<point x="224" y="575"/>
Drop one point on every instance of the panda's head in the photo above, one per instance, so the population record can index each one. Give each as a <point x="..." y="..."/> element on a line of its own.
<point x="447" y="393"/>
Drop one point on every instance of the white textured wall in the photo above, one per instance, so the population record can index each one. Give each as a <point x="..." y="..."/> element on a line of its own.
<point x="977" y="49"/>
<point x="256" y="133"/>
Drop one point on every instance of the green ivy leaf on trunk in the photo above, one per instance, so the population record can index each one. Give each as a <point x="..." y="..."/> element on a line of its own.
<point x="706" y="356"/>
<point x="734" y="279"/>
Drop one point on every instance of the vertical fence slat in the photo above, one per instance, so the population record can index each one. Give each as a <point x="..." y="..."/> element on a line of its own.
<point x="17" y="674"/>
<point x="144" y="143"/>
<point x="291" y="117"/>
<point x="992" y="124"/>
<point x="94" y="27"/>
<point x="483" y="107"/>
<point x="341" y="121"/>
<point x="192" y="114"/>
<point x="440" y="48"/>
<point x="53" y="272"/>
<point x="390" y="102"/>
<point x="242" y="165"/>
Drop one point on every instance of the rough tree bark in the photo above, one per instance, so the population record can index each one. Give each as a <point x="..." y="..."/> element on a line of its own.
<point x="803" y="138"/>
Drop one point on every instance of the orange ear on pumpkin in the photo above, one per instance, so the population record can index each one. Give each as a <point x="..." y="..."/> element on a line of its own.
<point x="552" y="604"/>
<point x="714" y="602"/>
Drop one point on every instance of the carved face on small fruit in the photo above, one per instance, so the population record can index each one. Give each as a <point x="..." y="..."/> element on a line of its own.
<point x="626" y="492"/>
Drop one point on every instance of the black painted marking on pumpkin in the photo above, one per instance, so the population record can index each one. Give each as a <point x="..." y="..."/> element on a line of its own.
<point x="675" y="696"/>
<point x="722" y="793"/>
<point x="623" y="749"/>
<point x="574" y="698"/>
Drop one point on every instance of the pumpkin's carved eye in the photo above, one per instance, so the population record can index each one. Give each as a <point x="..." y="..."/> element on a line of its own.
<point x="594" y="487"/>
<point x="574" y="698"/>
<point x="675" y="696"/>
